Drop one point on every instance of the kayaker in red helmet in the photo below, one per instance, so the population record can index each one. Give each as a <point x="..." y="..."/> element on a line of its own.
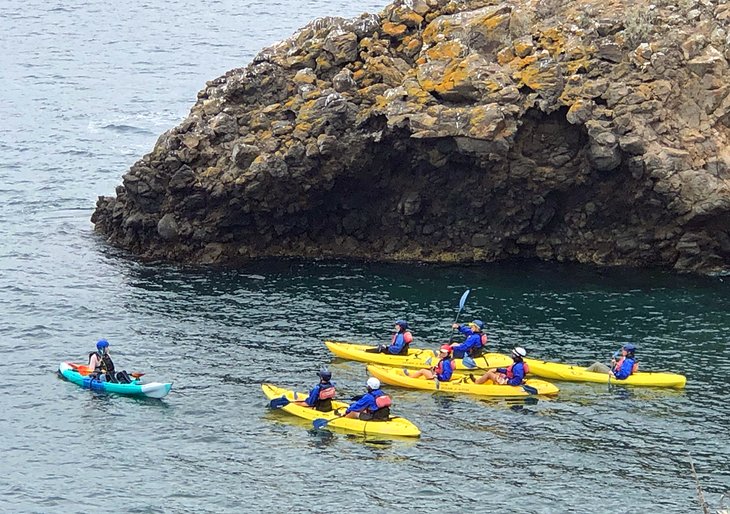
<point x="442" y="371"/>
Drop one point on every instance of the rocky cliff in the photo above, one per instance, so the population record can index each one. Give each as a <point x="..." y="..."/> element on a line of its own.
<point x="589" y="131"/>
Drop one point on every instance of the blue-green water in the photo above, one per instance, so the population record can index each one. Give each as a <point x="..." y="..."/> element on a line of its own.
<point x="86" y="89"/>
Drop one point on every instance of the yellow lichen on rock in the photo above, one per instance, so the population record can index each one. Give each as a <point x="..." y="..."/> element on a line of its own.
<point x="393" y="29"/>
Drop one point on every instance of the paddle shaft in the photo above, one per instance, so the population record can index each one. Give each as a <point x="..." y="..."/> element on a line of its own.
<point x="462" y="302"/>
<point x="86" y="371"/>
<point x="321" y="422"/>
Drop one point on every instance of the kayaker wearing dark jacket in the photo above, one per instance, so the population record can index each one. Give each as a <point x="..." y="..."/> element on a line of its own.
<point x="475" y="341"/>
<point x="102" y="366"/>
<point x="511" y="375"/>
<point x="442" y="371"/>
<point x="321" y="395"/>
<point x="372" y="406"/>
<point x="400" y="342"/>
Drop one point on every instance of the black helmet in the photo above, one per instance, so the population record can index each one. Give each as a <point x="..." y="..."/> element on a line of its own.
<point x="325" y="374"/>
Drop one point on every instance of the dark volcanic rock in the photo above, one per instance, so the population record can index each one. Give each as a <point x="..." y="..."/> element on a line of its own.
<point x="443" y="131"/>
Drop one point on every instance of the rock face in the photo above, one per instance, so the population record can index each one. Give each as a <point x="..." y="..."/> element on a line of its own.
<point x="453" y="132"/>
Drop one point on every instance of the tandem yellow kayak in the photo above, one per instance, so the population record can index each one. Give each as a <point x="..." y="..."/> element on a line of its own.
<point x="460" y="383"/>
<point x="416" y="358"/>
<point x="567" y="372"/>
<point x="395" y="426"/>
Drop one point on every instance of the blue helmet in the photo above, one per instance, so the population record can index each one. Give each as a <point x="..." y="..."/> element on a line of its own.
<point x="479" y="323"/>
<point x="325" y="374"/>
<point x="403" y="324"/>
<point x="629" y="347"/>
<point x="101" y="344"/>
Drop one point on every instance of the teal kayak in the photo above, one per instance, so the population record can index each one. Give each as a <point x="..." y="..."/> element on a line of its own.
<point x="78" y="374"/>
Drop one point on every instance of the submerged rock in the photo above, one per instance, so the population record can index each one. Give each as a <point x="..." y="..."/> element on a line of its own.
<point x="454" y="132"/>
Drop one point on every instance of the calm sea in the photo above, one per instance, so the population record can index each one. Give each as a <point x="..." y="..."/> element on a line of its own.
<point x="85" y="90"/>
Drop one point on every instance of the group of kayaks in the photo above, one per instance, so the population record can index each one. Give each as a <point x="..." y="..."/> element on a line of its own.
<point x="393" y="370"/>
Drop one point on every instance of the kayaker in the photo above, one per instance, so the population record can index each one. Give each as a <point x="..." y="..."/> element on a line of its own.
<point x="511" y="375"/>
<point x="102" y="366"/>
<point x="321" y="395"/>
<point x="373" y="406"/>
<point x="442" y="371"/>
<point x="622" y="367"/>
<point x="400" y="342"/>
<point x="475" y="341"/>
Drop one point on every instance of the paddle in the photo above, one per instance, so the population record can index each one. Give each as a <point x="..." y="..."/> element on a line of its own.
<point x="278" y="403"/>
<point x="529" y="389"/>
<point x="461" y="308"/>
<point x="83" y="369"/>
<point x="616" y="355"/>
<point x="321" y="422"/>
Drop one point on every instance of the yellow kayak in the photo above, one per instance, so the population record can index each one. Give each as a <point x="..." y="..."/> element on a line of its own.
<point x="557" y="371"/>
<point x="416" y="358"/>
<point x="396" y="426"/>
<point x="460" y="384"/>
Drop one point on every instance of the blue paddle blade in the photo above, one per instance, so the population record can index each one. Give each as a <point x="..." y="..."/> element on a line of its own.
<point x="320" y="423"/>
<point x="278" y="402"/>
<point x="469" y="362"/>
<point x="529" y="389"/>
<point x="463" y="299"/>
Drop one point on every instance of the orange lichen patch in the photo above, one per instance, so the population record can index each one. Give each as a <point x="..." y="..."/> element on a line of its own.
<point x="520" y="62"/>
<point x="583" y="65"/>
<point x="359" y="75"/>
<point x="307" y="112"/>
<point x="446" y="50"/>
<point x="438" y="30"/>
<point x="493" y="21"/>
<point x="323" y="62"/>
<point x="292" y="102"/>
<point x="533" y="78"/>
<point x="523" y="48"/>
<point x="505" y="55"/>
<point x="411" y="45"/>
<point x="492" y="85"/>
<point x="455" y="76"/>
<point x="409" y="18"/>
<point x="382" y="69"/>
<point x="416" y="93"/>
<point x="552" y="40"/>
<point x="393" y="29"/>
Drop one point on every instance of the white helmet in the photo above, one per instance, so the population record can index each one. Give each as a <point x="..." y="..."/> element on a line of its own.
<point x="373" y="383"/>
<point x="520" y="352"/>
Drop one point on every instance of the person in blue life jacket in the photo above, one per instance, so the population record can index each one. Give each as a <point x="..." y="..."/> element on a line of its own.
<point x="623" y="364"/>
<point x="320" y="397"/>
<point x="399" y="344"/>
<point x="442" y="371"/>
<point x="372" y="406"/>
<point x="102" y="366"/>
<point x="475" y="341"/>
<point x="511" y="375"/>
